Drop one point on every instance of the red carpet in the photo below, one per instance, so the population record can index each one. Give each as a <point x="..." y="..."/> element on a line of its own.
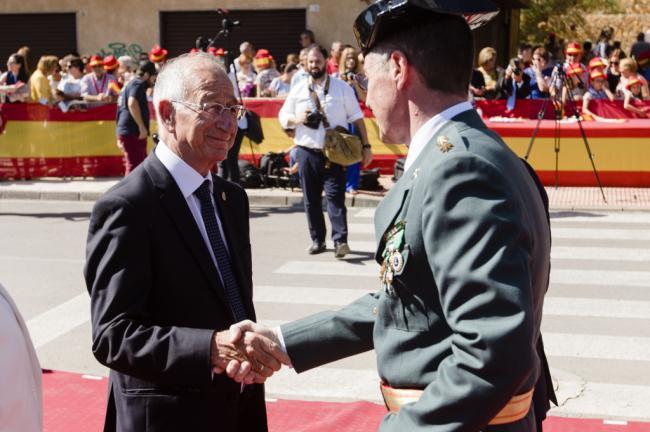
<point x="76" y="403"/>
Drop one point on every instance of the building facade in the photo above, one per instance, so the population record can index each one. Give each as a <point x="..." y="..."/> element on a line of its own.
<point x="127" y="27"/>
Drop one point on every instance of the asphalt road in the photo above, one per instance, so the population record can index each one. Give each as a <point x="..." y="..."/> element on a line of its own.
<point x="596" y="324"/>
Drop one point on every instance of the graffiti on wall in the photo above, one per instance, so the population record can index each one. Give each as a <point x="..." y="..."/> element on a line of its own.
<point x="120" y="48"/>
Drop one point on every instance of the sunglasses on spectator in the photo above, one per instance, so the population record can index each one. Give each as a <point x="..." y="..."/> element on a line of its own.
<point x="215" y="109"/>
<point x="615" y="63"/>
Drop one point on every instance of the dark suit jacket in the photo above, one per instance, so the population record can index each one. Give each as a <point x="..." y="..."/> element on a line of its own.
<point x="156" y="301"/>
<point x="462" y="321"/>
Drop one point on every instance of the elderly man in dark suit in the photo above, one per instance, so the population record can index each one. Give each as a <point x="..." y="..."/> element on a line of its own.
<point x="463" y="241"/>
<point x="169" y="269"/>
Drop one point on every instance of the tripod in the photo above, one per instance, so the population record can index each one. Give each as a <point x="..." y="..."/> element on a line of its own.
<point x="559" y="77"/>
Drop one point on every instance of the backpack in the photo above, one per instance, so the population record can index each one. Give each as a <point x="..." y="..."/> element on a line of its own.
<point x="271" y="168"/>
<point x="369" y="180"/>
<point x="249" y="176"/>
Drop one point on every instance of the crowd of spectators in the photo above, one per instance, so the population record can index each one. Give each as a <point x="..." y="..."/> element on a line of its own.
<point x="593" y="72"/>
<point x="601" y="72"/>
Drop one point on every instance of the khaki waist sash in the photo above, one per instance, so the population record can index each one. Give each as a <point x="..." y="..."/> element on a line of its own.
<point x="516" y="409"/>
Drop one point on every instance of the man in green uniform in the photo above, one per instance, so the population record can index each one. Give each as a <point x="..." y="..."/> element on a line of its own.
<point x="463" y="241"/>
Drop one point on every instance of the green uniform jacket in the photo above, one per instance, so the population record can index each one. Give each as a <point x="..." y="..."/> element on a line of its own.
<point x="463" y="318"/>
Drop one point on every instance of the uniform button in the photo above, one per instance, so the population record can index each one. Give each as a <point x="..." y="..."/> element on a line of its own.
<point x="375" y="311"/>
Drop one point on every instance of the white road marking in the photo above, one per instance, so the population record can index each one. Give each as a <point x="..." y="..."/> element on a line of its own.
<point x="306" y="295"/>
<point x="615" y="217"/>
<point x="600" y="253"/>
<point x="599" y="308"/>
<point x="59" y="320"/>
<point x="597" y="346"/>
<point x="607" y="400"/>
<point x="600" y="233"/>
<point x="371" y="269"/>
<point x="365" y="213"/>
<point x="41" y="259"/>
<point x="361" y="228"/>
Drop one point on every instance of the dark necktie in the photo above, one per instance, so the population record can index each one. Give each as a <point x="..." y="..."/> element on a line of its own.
<point x="220" y="252"/>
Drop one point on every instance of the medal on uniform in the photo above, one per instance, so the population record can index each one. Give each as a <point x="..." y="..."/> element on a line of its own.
<point x="393" y="261"/>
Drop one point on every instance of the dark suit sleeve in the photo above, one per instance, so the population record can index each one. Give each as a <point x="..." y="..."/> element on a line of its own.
<point x="329" y="336"/>
<point x="119" y="278"/>
<point x="479" y="253"/>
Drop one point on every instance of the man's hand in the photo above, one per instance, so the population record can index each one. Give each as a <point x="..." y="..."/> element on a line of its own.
<point x="367" y="157"/>
<point x="142" y="132"/>
<point x="302" y="118"/>
<point x="262" y="348"/>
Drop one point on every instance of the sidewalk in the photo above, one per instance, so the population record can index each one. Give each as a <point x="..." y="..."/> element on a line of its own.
<point x="563" y="198"/>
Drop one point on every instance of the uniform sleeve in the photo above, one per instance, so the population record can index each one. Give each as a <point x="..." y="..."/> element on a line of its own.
<point x="479" y="254"/>
<point x="329" y="336"/>
<point x="119" y="278"/>
<point x="352" y="108"/>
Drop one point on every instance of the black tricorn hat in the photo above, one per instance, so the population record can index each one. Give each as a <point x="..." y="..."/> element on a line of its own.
<point x="384" y="17"/>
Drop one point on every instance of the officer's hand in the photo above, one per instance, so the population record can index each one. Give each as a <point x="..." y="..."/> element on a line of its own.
<point x="367" y="157"/>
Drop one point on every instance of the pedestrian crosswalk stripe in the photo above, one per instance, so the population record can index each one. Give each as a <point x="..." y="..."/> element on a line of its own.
<point x="600" y="253"/>
<point x="601" y="308"/>
<point x="365" y="213"/>
<point x="600" y="277"/>
<point x="597" y="346"/>
<point x="564" y="276"/>
<point x="306" y="295"/>
<point x="600" y="234"/>
<point x="562" y="306"/>
<point x="59" y="320"/>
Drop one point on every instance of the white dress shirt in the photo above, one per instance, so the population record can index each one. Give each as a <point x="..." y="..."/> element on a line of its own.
<point x="429" y="129"/>
<point x="340" y="105"/>
<point x="188" y="181"/>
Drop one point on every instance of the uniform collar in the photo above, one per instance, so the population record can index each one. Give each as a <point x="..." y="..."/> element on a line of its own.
<point x="186" y="177"/>
<point x="428" y="130"/>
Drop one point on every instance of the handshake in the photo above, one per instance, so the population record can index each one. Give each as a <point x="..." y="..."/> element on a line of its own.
<point x="248" y="353"/>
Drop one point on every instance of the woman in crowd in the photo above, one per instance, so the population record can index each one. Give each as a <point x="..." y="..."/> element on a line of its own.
<point x="629" y="72"/>
<point x="55" y="78"/>
<point x="246" y="78"/>
<point x="39" y="84"/>
<point x="13" y="83"/>
<point x="540" y="74"/>
<point x="634" y="98"/>
<point x="598" y="90"/>
<point x="24" y="51"/>
<point x="69" y="88"/>
<point x="487" y="60"/>
<point x="281" y="85"/>
<point x="613" y="72"/>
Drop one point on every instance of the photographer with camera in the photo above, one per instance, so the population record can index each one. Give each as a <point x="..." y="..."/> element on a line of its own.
<point x="514" y="83"/>
<point x="311" y="104"/>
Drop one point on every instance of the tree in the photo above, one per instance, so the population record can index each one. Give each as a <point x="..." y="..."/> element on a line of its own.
<point x="565" y="18"/>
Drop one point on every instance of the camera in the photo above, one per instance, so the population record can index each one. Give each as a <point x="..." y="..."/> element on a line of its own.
<point x="313" y="120"/>
<point x="516" y="66"/>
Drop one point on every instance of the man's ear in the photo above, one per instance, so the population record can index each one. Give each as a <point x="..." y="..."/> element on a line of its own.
<point x="167" y="112"/>
<point x="400" y="69"/>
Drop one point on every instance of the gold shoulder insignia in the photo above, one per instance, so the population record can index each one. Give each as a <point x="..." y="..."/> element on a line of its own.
<point x="444" y="144"/>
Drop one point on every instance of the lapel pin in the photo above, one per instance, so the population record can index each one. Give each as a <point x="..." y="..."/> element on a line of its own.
<point x="223" y="196"/>
<point x="444" y="144"/>
<point x="416" y="173"/>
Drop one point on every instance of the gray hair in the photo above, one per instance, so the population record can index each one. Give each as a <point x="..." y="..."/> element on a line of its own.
<point x="174" y="81"/>
<point x="128" y="62"/>
<point x="244" y="46"/>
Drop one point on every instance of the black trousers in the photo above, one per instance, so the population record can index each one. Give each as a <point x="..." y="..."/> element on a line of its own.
<point x="317" y="175"/>
<point x="229" y="167"/>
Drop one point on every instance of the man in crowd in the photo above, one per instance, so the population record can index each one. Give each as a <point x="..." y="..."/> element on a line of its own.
<point x="168" y="269"/>
<point x="158" y="56"/>
<point x="463" y="239"/>
<point x="96" y="86"/>
<point x="303" y="71"/>
<point x="335" y="57"/>
<point x="307" y="100"/>
<point x="307" y="39"/>
<point x="246" y="54"/>
<point x="133" y="117"/>
<point x="514" y="83"/>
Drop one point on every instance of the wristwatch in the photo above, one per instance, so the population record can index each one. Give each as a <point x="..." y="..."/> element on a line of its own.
<point x="366" y="146"/>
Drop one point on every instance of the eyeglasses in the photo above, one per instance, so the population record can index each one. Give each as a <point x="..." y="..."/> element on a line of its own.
<point x="215" y="109"/>
<point x="385" y="16"/>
